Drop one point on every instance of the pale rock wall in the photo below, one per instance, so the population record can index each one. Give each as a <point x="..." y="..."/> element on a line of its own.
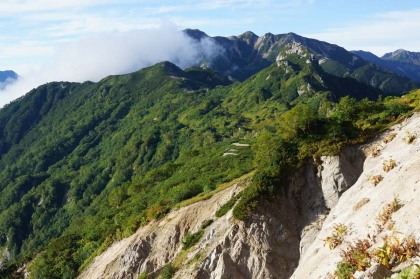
<point x="359" y="207"/>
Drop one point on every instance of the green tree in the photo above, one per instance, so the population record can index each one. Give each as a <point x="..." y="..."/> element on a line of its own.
<point x="117" y="196"/>
<point x="298" y="121"/>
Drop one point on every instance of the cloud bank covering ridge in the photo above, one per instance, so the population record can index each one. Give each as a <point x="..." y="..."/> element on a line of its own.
<point x="112" y="53"/>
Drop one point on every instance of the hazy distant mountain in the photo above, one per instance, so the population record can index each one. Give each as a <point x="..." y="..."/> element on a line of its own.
<point x="402" y="55"/>
<point x="7" y="77"/>
<point x="397" y="61"/>
<point x="247" y="54"/>
<point x="4" y="75"/>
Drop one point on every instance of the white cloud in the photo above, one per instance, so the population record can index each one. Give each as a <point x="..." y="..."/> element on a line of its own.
<point x="378" y="34"/>
<point x="95" y="57"/>
<point x="220" y="5"/>
<point x="25" y="48"/>
<point x="8" y="7"/>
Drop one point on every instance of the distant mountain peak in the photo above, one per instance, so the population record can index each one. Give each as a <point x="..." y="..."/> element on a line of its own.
<point x="394" y="53"/>
<point x="402" y="55"/>
<point x="293" y="35"/>
<point x="7" y="77"/>
<point x="248" y="34"/>
<point x="249" y="37"/>
<point x="268" y="35"/>
<point x="195" y="33"/>
<point x="8" y="74"/>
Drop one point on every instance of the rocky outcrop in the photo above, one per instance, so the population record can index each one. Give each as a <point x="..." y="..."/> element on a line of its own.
<point x="264" y="247"/>
<point x="338" y="173"/>
<point x="158" y="243"/>
<point x="285" y="236"/>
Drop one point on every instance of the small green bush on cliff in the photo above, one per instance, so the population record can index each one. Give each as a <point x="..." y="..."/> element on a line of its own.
<point x="167" y="271"/>
<point x="227" y="206"/>
<point x="191" y="238"/>
<point x="344" y="270"/>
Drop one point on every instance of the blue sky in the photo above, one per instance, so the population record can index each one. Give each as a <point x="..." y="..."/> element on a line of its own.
<point x="36" y="35"/>
<point x="32" y="28"/>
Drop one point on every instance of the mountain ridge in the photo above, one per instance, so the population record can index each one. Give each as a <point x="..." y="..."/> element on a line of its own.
<point x="402" y="55"/>
<point x="410" y="70"/>
<point x="246" y="54"/>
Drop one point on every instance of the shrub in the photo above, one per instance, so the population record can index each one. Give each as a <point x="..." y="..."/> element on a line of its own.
<point x="167" y="271"/>
<point x="386" y="213"/>
<point x="191" y="238"/>
<point x="395" y="251"/>
<point x="264" y="184"/>
<point x="344" y="270"/>
<point x="394" y="109"/>
<point x="376" y="179"/>
<point x="376" y="150"/>
<point x="388" y="138"/>
<point x="389" y="165"/>
<point x="412" y="272"/>
<point x="227" y="206"/>
<point x="206" y="223"/>
<point x="247" y="203"/>
<point x="409" y="138"/>
<point x="357" y="255"/>
<point x="117" y="196"/>
<point x="337" y="236"/>
<point x="156" y="212"/>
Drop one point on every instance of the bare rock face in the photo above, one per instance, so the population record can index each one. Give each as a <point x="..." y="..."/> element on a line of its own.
<point x="338" y="173"/>
<point x="318" y="187"/>
<point x="264" y="247"/>
<point x="284" y="238"/>
<point x="359" y="207"/>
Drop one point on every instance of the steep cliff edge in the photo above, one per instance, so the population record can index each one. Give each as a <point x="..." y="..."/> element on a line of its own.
<point x="285" y="236"/>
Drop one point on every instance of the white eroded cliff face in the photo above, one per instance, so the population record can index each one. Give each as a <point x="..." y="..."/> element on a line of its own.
<point x="284" y="237"/>
<point x="359" y="207"/>
<point x="264" y="247"/>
